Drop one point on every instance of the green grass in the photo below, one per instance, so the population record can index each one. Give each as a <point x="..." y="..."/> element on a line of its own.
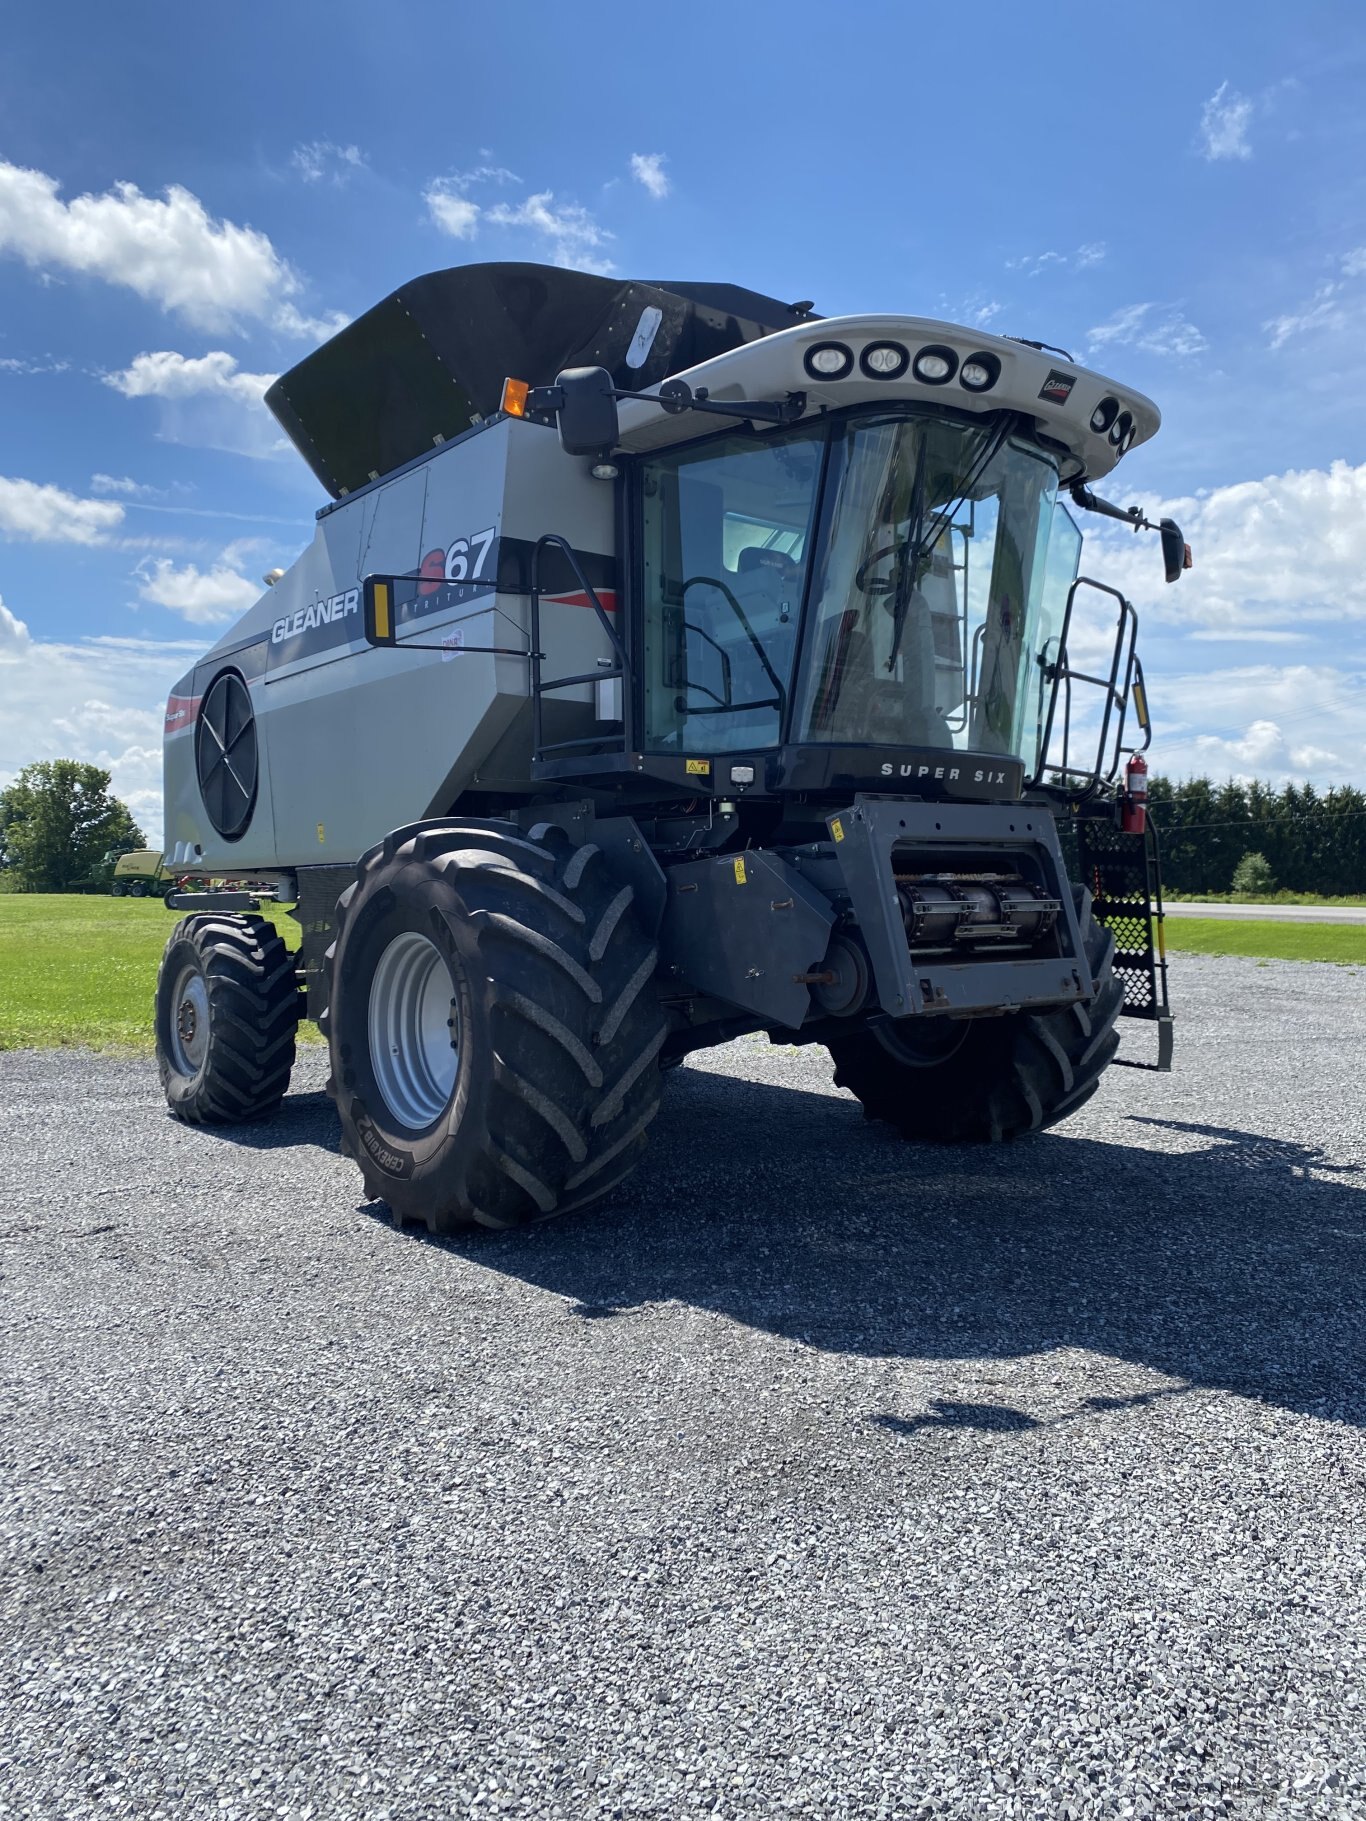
<point x="1344" y="943"/>
<point x="82" y="971"/>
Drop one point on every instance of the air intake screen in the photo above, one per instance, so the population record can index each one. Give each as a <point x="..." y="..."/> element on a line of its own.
<point x="225" y="754"/>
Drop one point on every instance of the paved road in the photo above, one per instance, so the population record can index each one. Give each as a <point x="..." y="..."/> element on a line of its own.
<point x="814" y="1477"/>
<point x="1278" y="913"/>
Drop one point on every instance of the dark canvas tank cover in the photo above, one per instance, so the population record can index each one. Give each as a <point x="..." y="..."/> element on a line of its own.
<point x="430" y="360"/>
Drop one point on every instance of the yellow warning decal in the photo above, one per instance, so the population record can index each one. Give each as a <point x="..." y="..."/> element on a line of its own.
<point x="837" y="829"/>
<point x="383" y="624"/>
<point x="321" y="834"/>
<point x="740" y="870"/>
<point x="698" y="768"/>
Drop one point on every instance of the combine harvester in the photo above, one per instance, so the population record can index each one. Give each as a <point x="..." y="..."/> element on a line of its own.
<point x="670" y="664"/>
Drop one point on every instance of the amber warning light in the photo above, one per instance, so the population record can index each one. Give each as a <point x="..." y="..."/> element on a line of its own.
<point x="514" y="397"/>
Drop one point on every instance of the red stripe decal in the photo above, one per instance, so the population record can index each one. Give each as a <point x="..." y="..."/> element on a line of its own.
<point x="608" y="597"/>
<point x="180" y="712"/>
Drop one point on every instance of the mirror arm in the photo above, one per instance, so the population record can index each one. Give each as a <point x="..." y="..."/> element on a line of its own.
<point x="1127" y="515"/>
<point x="675" y="396"/>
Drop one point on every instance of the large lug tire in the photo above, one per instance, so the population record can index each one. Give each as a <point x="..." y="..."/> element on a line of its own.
<point x="493" y="1025"/>
<point x="227" y="1009"/>
<point x="984" y="1081"/>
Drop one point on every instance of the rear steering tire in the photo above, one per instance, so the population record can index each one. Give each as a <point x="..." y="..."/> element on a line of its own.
<point x="227" y="1010"/>
<point x="493" y="1026"/>
<point x="985" y="1081"/>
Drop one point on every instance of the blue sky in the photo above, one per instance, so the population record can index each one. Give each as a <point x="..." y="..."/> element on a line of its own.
<point x="1177" y="195"/>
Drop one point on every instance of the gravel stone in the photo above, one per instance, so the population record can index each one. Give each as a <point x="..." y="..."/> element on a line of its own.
<point x="816" y="1476"/>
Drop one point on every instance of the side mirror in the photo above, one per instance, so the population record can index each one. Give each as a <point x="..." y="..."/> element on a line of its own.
<point x="1176" y="554"/>
<point x="587" y="410"/>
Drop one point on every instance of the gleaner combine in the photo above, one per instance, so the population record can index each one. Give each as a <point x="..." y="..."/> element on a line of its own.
<point x="670" y="664"/>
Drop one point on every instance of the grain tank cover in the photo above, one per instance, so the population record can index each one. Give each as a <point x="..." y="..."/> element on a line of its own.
<point x="431" y="359"/>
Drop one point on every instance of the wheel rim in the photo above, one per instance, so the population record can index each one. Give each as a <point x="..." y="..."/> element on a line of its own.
<point x="923" y="1043"/>
<point x="414" y="1030"/>
<point x="190" y="1022"/>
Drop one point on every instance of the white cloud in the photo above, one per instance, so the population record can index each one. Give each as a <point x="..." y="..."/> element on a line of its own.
<point x="1031" y="264"/>
<point x="13" y="631"/>
<point x="448" y="202"/>
<point x="124" y="485"/>
<point x="1264" y="748"/>
<point x="1283" y="552"/>
<point x="1334" y="306"/>
<point x="40" y="514"/>
<point x="453" y="213"/>
<point x="323" y="158"/>
<point x="1325" y="310"/>
<point x="1224" y="121"/>
<point x="648" y="168"/>
<point x="976" y="311"/>
<point x="571" y="235"/>
<point x="292" y="321"/>
<point x="485" y="173"/>
<point x="1280" y="565"/>
<point x="168" y="249"/>
<point x="97" y="700"/>
<point x="1156" y="328"/>
<point x="39" y="364"/>
<point x="166" y="374"/>
<point x="205" y="597"/>
<point x="207" y="400"/>
<point x="1282" y="723"/>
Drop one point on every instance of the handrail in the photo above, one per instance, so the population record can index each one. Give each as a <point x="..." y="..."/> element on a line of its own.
<point x="1075" y="782"/>
<point x="621" y="669"/>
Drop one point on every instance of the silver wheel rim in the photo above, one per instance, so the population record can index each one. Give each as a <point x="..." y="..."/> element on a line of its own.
<point x="190" y="1022"/>
<point x="414" y="1030"/>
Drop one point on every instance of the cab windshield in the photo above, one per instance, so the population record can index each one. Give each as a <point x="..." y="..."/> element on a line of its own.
<point x="933" y="598"/>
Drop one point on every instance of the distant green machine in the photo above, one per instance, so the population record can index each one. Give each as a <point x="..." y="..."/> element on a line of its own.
<point x="670" y="664"/>
<point x="139" y="875"/>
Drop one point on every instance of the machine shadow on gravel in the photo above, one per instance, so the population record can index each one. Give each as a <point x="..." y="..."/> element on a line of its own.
<point x="1230" y="1264"/>
<point x="302" y="1119"/>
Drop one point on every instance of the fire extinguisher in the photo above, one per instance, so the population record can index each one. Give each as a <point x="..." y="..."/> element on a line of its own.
<point x="1134" y="807"/>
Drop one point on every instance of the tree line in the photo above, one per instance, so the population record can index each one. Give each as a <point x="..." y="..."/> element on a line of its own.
<point x="1313" y="841"/>
<point x="59" y="822"/>
<point x="59" y="825"/>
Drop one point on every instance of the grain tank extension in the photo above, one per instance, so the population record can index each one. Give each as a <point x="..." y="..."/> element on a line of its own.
<point x="670" y="663"/>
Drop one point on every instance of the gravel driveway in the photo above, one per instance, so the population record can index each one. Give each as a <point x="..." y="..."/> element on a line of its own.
<point x="816" y="1476"/>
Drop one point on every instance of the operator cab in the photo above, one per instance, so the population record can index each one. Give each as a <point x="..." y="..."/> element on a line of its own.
<point x="883" y="578"/>
<point x="849" y="561"/>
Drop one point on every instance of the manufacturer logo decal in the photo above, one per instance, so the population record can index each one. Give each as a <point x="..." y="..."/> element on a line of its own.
<point x="396" y="1163"/>
<point x="321" y="613"/>
<point x="1057" y="388"/>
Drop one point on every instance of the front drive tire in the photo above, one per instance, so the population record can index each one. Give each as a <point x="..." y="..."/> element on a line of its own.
<point x="493" y="1025"/>
<point x="987" y="1080"/>
<point x="227" y="1010"/>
